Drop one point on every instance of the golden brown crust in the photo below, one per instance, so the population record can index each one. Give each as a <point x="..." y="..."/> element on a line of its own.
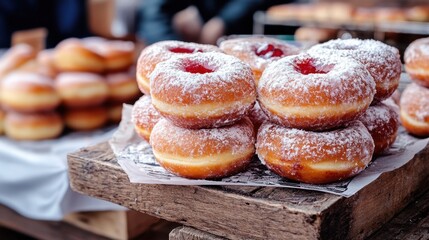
<point x="35" y="126"/>
<point x="414" y="109"/>
<point x="86" y="119"/>
<point x="15" y="57"/>
<point x="417" y="61"/>
<point x="122" y="87"/>
<point x="144" y="117"/>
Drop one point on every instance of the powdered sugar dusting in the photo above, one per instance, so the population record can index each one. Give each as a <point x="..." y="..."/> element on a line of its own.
<point x="230" y="76"/>
<point x="417" y="50"/>
<point x="159" y="52"/>
<point x="346" y="82"/>
<point x="346" y="144"/>
<point x="415" y="102"/>
<point x="381" y="60"/>
<point x="257" y="116"/>
<point x="20" y="79"/>
<point x="246" y="49"/>
<point x="379" y="115"/>
<point x="237" y="138"/>
<point x="144" y="114"/>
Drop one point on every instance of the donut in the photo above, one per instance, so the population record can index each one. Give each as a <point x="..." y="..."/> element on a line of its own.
<point x="257" y="116"/>
<point x="2" y="116"/>
<point x="118" y="55"/>
<point x="203" y="90"/>
<point x="284" y="12"/>
<point x="416" y="59"/>
<point x="341" y="12"/>
<point x="390" y="14"/>
<point x="315" y="157"/>
<point x="122" y="87"/>
<point x="114" y="112"/>
<point x="419" y="13"/>
<point x="382" y="61"/>
<point x="203" y="153"/>
<point x="28" y="92"/>
<point x="258" y="51"/>
<point x="414" y="110"/>
<point x="382" y="122"/>
<point x="79" y="89"/>
<point x="33" y="126"/>
<point x="71" y="55"/>
<point x="34" y="66"/>
<point x="364" y="15"/>
<point x="85" y="119"/>
<point x="315" y="92"/>
<point x="161" y="51"/>
<point x="144" y="116"/>
<point x="45" y="62"/>
<point x="314" y="34"/>
<point x="15" y="57"/>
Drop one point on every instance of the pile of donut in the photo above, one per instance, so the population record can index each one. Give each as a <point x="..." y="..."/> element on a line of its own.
<point x="414" y="102"/>
<point x="317" y="116"/>
<point x="79" y="85"/>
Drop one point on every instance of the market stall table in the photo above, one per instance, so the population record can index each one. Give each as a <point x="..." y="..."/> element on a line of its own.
<point x="254" y="212"/>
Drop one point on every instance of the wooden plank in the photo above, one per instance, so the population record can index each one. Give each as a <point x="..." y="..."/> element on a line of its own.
<point x="43" y="229"/>
<point x="249" y="212"/>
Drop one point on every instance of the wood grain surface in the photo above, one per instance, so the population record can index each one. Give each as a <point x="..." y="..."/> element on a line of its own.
<point x="253" y="212"/>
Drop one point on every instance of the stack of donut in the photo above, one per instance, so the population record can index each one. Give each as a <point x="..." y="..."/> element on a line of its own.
<point x="326" y="119"/>
<point x="65" y="87"/>
<point x="199" y="101"/>
<point x="414" y="102"/>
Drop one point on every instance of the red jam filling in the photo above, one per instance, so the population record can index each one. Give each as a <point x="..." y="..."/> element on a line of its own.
<point x="184" y="50"/>
<point x="197" y="68"/>
<point x="307" y="67"/>
<point x="267" y="51"/>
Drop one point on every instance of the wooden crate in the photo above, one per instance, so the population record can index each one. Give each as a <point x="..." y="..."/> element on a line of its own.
<point x="254" y="212"/>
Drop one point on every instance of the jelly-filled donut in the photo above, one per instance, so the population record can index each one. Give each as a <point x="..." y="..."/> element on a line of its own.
<point x="203" y="153"/>
<point x="414" y="109"/>
<point x="382" y="122"/>
<point x="258" y="52"/>
<point x="315" y="157"/>
<point x="382" y="61"/>
<point x="161" y="51"/>
<point x="257" y="116"/>
<point x="203" y="90"/>
<point x="33" y="126"/>
<point x="28" y="92"/>
<point x="144" y="116"/>
<point x="71" y="55"/>
<point x="417" y="61"/>
<point x="80" y="89"/>
<point x="315" y="92"/>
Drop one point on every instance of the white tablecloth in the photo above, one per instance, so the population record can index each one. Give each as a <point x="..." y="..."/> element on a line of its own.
<point x="34" y="180"/>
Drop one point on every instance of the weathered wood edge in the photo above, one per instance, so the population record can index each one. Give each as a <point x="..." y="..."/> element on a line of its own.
<point x="319" y="224"/>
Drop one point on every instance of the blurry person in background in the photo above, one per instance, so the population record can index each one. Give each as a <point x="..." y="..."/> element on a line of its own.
<point x="61" y="18"/>
<point x="202" y="21"/>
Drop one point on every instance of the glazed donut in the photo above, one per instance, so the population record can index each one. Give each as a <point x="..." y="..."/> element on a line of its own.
<point x="315" y="157"/>
<point x="144" y="116"/>
<point x="122" y="87"/>
<point x="416" y="59"/>
<point x="15" y="57"/>
<point x="257" y="116"/>
<point x="203" y="90"/>
<point x="315" y="92"/>
<point x="161" y="51"/>
<point x="382" y="61"/>
<point x="86" y="119"/>
<point x="414" y="110"/>
<point x="78" y="89"/>
<point x="71" y="55"/>
<point x="258" y="51"/>
<point x="28" y="92"/>
<point x="382" y="122"/>
<point x="118" y="55"/>
<point x="33" y="126"/>
<point x="2" y="116"/>
<point x="203" y="153"/>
